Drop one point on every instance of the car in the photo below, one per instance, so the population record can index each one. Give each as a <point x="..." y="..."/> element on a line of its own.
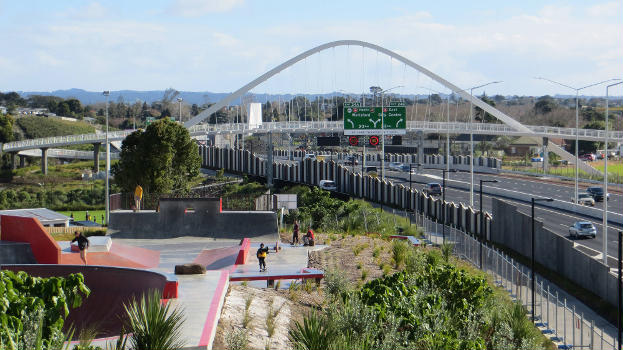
<point x="328" y="185"/>
<point x="432" y="189"/>
<point x="582" y="229"/>
<point x="404" y="168"/>
<point x="588" y="157"/>
<point x="597" y="193"/>
<point x="584" y="199"/>
<point x="351" y="160"/>
<point x="371" y="169"/>
<point x="395" y="166"/>
<point x="310" y="156"/>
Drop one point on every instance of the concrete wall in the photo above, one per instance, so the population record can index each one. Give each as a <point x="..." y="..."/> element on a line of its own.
<point x="176" y="219"/>
<point x="551" y="250"/>
<point x="16" y="253"/>
<point x="29" y="230"/>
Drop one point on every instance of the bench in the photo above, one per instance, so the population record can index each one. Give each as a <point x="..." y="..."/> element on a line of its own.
<point x="270" y="278"/>
<point x="414" y="241"/>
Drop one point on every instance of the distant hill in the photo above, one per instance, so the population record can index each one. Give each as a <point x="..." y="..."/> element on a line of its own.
<point x="190" y="97"/>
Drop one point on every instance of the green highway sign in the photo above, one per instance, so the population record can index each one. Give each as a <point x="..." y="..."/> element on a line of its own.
<point x="360" y="120"/>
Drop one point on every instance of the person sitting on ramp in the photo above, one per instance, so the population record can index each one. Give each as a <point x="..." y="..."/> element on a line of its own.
<point x="261" y="257"/>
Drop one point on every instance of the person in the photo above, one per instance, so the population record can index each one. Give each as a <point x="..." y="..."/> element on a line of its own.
<point x="295" y="233"/>
<point x="138" y="195"/>
<point x="308" y="239"/>
<point x="261" y="257"/>
<point x="87" y="217"/>
<point x="83" y="245"/>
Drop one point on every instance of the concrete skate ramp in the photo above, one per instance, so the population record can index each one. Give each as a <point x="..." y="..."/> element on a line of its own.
<point x="200" y="217"/>
<point x="111" y="287"/>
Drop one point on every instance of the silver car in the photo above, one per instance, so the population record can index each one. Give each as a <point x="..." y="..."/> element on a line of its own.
<point x="582" y="229"/>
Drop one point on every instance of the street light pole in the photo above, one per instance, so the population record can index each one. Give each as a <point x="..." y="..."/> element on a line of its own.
<point x="179" y="101"/>
<point x="471" y="139"/>
<point x="443" y="203"/>
<point x="532" y="253"/>
<point x="383" y="132"/>
<point x="577" y="92"/>
<point x="106" y="200"/>
<point x="605" y="213"/>
<point x="482" y="218"/>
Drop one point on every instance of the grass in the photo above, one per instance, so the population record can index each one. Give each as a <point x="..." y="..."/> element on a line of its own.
<point x="615" y="171"/>
<point x="80" y="215"/>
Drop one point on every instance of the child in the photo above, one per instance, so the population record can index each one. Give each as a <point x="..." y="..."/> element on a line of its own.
<point x="308" y="239"/>
<point x="261" y="256"/>
<point x="83" y="245"/>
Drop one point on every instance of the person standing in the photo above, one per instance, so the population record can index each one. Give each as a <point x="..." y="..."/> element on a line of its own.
<point x="83" y="245"/>
<point x="261" y="257"/>
<point x="138" y="196"/>
<point x="295" y="233"/>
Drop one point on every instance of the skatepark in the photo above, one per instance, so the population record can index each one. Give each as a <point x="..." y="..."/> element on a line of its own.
<point x="140" y="253"/>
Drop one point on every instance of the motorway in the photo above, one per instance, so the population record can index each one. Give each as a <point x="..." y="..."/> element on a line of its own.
<point x="555" y="220"/>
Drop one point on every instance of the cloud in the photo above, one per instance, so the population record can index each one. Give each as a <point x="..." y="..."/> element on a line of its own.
<point x="605" y="9"/>
<point x="225" y="40"/>
<point x="93" y="10"/>
<point x="197" y="8"/>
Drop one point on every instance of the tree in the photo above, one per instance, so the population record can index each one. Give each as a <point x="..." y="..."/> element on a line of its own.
<point x="545" y="104"/>
<point x="482" y="116"/>
<point x="162" y="159"/>
<point x="6" y="128"/>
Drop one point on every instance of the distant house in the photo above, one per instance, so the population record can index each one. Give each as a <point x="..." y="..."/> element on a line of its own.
<point x="527" y="145"/>
<point x="32" y="111"/>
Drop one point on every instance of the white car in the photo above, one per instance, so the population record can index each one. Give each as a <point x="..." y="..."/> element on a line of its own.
<point x="328" y="185"/>
<point x="310" y="156"/>
<point x="582" y="229"/>
<point x="395" y="166"/>
<point x="585" y="199"/>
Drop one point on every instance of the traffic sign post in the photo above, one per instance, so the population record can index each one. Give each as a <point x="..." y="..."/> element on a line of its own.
<point x="360" y="120"/>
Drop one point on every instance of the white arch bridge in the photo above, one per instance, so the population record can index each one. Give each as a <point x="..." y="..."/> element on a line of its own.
<point x="509" y="127"/>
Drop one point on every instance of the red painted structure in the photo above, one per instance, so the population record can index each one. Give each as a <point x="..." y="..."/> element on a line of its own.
<point x="20" y="229"/>
<point x="243" y="252"/>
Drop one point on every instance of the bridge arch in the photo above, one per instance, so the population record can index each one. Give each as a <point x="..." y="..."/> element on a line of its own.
<point x="461" y="92"/>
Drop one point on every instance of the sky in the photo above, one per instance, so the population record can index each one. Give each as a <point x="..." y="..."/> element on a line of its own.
<point x="221" y="45"/>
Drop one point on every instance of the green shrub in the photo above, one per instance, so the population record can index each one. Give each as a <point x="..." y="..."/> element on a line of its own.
<point x="400" y="249"/>
<point x="154" y="325"/>
<point x="313" y="334"/>
<point x="336" y="282"/>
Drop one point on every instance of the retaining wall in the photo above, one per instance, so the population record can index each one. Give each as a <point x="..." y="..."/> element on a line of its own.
<point x="176" y="219"/>
<point x="551" y="250"/>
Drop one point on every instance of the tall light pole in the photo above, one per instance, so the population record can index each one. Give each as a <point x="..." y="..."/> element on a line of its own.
<point x="107" y="93"/>
<point x="605" y="214"/>
<point x="482" y="219"/>
<point x="471" y="139"/>
<point x="577" y="92"/>
<point x="383" y="132"/>
<point x="532" y="253"/>
<point x="443" y="203"/>
<point x="179" y="101"/>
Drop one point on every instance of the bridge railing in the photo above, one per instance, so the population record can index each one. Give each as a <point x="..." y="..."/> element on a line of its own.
<point x="64" y="140"/>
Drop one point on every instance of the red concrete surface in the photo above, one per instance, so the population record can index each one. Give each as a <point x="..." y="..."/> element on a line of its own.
<point x="171" y="290"/>
<point x="119" y="255"/>
<point x="209" y="327"/>
<point x="243" y="252"/>
<point x="219" y="258"/>
<point x="29" y="230"/>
